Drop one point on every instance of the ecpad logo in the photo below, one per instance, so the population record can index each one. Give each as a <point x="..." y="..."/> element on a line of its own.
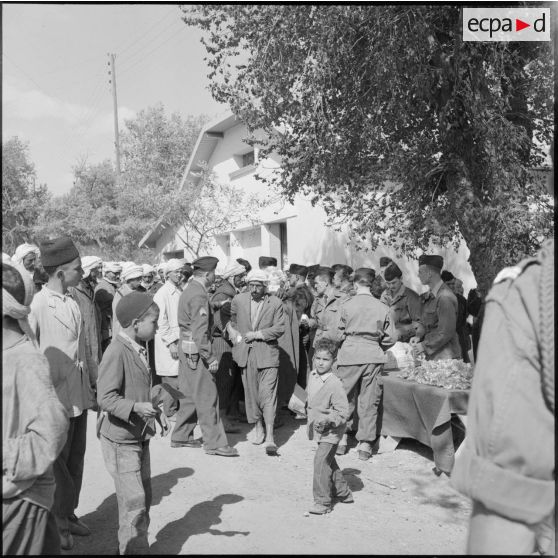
<point x="506" y="24"/>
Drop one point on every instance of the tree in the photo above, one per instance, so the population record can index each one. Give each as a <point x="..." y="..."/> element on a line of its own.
<point x="201" y="211"/>
<point x="22" y="198"/>
<point x="398" y="127"/>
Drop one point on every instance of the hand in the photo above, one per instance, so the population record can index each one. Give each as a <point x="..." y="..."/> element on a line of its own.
<point x="417" y="349"/>
<point x="213" y="366"/>
<point x="414" y="340"/>
<point x="250" y="336"/>
<point x="165" y="424"/>
<point x="173" y="348"/>
<point x="145" y="410"/>
<point x="320" y="426"/>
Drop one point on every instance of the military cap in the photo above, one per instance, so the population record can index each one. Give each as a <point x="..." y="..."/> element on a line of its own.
<point x="206" y="263"/>
<point x="132" y="306"/>
<point x="364" y="275"/>
<point x="346" y="268"/>
<point x="58" y="251"/>
<point x="245" y="263"/>
<point x="312" y="270"/>
<point x="266" y="261"/>
<point x="324" y="270"/>
<point x="447" y="276"/>
<point x="433" y="261"/>
<point x="392" y="271"/>
<point x="298" y="269"/>
<point x="384" y="260"/>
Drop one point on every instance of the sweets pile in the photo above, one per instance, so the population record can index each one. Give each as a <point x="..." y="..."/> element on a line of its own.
<point x="448" y="373"/>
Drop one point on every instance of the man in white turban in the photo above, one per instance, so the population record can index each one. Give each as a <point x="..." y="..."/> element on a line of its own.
<point x="148" y="277"/>
<point x="131" y="276"/>
<point x="28" y="256"/>
<point x="104" y="295"/>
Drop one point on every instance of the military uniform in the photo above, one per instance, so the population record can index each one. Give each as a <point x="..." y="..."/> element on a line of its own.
<point x="439" y="318"/>
<point x="405" y="308"/>
<point x="195" y="381"/>
<point x="364" y="323"/>
<point x="325" y="315"/>
<point x="508" y="461"/>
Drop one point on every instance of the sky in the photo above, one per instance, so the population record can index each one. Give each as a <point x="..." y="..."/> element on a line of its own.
<point x="55" y="83"/>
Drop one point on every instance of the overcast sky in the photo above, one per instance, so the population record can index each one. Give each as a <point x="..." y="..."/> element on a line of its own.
<point x="56" y="94"/>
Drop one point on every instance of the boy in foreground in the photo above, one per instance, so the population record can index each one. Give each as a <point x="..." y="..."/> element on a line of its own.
<point x="124" y="394"/>
<point x="328" y="409"/>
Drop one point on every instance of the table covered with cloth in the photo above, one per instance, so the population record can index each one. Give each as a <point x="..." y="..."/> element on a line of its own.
<point x="422" y="412"/>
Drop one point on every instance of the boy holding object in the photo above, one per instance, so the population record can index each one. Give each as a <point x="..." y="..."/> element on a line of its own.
<point x="328" y="409"/>
<point x="124" y="394"/>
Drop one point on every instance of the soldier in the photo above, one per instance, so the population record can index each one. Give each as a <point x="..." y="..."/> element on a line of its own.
<point x="104" y="295"/>
<point x="325" y="309"/>
<point x="364" y="323"/>
<point x="438" y="313"/>
<point x="198" y="365"/>
<point x="404" y="303"/>
<point x="342" y="279"/>
<point x="131" y="276"/>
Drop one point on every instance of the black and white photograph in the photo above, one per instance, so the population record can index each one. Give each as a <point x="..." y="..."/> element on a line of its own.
<point x="278" y="278"/>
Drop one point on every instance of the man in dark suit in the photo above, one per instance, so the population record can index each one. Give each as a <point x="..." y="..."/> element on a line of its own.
<point x="255" y="326"/>
<point x="198" y="365"/>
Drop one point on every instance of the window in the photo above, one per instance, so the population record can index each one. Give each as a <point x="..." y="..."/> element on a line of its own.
<point x="248" y="159"/>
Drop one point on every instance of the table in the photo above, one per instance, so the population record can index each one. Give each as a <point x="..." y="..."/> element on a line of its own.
<point x="422" y="412"/>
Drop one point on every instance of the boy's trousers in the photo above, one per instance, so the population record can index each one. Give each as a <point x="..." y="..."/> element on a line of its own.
<point x="328" y="478"/>
<point x="130" y="467"/>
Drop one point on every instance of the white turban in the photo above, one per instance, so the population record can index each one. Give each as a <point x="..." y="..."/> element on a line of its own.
<point x="6" y="258"/>
<point x="11" y="307"/>
<point x="147" y="269"/>
<point x="113" y="267"/>
<point x="172" y="265"/>
<point x="88" y="263"/>
<point x="130" y="270"/>
<point x="233" y="270"/>
<point x="257" y="275"/>
<point x="22" y="250"/>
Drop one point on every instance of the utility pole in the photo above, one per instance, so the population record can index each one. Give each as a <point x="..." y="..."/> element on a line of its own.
<point x="112" y="74"/>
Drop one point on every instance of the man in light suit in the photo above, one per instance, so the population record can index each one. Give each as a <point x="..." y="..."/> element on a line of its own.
<point x="255" y="326"/>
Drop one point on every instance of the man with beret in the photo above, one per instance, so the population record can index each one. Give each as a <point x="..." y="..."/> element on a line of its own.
<point x="364" y="328"/>
<point x="255" y="326"/>
<point x="59" y="328"/>
<point x="131" y="277"/>
<point x="403" y="302"/>
<point x="438" y="313"/>
<point x="167" y="336"/>
<point x="462" y="333"/>
<point x="266" y="261"/>
<point x="84" y="295"/>
<point x="104" y="295"/>
<point x="198" y="365"/>
<point x="228" y="374"/>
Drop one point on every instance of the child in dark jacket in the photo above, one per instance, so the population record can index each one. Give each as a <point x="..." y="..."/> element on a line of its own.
<point x="124" y="395"/>
<point x="328" y="409"/>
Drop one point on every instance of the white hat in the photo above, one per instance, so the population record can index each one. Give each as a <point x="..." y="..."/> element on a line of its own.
<point x="115" y="267"/>
<point x="22" y="250"/>
<point x="257" y="275"/>
<point x="88" y="263"/>
<point x="233" y="269"/>
<point x="6" y="258"/>
<point x="147" y="269"/>
<point x="130" y="270"/>
<point x="173" y="264"/>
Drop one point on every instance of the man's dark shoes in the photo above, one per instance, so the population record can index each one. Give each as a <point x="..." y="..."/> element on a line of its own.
<point x="188" y="444"/>
<point x="225" y="451"/>
<point x="77" y="527"/>
<point x="347" y="499"/>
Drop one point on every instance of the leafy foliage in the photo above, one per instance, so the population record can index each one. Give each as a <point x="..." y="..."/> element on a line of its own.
<point x="22" y="198"/>
<point x="387" y="118"/>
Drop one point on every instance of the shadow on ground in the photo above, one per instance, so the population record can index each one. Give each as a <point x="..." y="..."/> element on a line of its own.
<point x="103" y="522"/>
<point x="290" y="425"/>
<point x="354" y="482"/>
<point x="197" y="521"/>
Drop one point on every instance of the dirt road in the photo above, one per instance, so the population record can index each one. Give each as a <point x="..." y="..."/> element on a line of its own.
<point x="256" y="504"/>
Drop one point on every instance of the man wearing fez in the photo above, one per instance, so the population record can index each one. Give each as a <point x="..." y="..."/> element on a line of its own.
<point x="228" y="374"/>
<point x="198" y="366"/>
<point x="267" y="261"/>
<point x="58" y="326"/>
<point x="403" y="302"/>
<point x="104" y="295"/>
<point x="255" y="326"/>
<point x="132" y="275"/>
<point x="303" y="300"/>
<point x="364" y="327"/>
<point x="438" y="313"/>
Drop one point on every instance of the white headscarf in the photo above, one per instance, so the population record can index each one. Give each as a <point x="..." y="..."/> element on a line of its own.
<point x="257" y="275"/>
<point x="130" y="270"/>
<point x="88" y="263"/>
<point x="233" y="270"/>
<point x="22" y="250"/>
<point x="172" y="265"/>
<point x="11" y="307"/>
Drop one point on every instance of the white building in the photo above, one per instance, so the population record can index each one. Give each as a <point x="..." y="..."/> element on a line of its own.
<point x="292" y="233"/>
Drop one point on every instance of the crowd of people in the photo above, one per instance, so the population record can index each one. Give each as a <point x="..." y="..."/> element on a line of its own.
<point x="187" y="343"/>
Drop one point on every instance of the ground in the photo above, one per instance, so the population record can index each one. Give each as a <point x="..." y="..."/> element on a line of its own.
<point x="255" y="504"/>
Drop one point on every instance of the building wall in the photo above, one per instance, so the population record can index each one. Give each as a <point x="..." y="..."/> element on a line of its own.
<point x="309" y="240"/>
